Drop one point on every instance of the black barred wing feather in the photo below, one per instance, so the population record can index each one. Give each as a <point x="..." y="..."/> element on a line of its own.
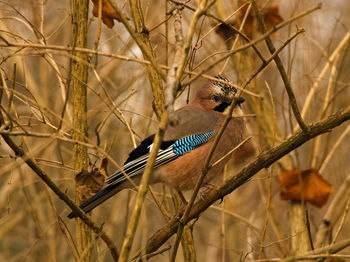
<point x="169" y="151"/>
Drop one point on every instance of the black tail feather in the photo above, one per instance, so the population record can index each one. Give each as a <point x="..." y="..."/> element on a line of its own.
<point x="97" y="199"/>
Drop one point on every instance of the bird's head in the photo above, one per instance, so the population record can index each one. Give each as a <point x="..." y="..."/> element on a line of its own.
<point x="217" y="95"/>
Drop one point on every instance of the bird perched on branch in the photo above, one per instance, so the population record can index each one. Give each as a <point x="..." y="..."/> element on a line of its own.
<point x="184" y="149"/>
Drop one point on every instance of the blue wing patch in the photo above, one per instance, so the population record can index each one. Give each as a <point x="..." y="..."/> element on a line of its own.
<point x="167" y="153"/>
<point x="188" y="143"/>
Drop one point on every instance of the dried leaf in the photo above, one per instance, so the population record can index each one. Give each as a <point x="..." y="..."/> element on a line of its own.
<point x="108" y="12"/>
<point x="305" y="185"/>
<point x="271" y="18"/>
<point x="89" y="183"/>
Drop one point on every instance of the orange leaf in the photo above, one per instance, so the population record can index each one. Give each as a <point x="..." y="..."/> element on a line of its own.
<point x="271" y="17"/>
<point x="108" y="12"/>
<point x="305" y="185"/>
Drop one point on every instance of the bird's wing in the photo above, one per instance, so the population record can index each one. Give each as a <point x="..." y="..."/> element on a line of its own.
<point x="169" y="151"/>
<point x="195" y="127"/>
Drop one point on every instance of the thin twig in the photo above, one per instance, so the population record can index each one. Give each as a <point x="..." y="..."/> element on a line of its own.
<point x="220" y="21"/>
<point x="230" y="152"/>
<point x="238" y="217"/>
<point x="246" y="46"/>
<point x="120" y="57"/>
<point x="327" y="249"/>
<point x="333" y="213"/>
<point x="148" y="256"/>
<point x="283" y="73"/>
<point x="306" y="257"/>
<point x="332" y="151"/>
<point x="145" y="50"/>
<point x="331" y="94"/>
<point x="341" y="46"/>
<point x="237" y="37"/>
<point x="345" y="213"/>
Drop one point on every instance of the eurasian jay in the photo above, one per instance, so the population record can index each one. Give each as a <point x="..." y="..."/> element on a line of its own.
<point x="185" y="146"/>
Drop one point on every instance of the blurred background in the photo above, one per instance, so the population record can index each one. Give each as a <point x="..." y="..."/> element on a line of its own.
<point x="252" y="223"/>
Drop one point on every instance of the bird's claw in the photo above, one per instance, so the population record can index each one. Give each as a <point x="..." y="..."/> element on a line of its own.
<point x="205" y="191"/>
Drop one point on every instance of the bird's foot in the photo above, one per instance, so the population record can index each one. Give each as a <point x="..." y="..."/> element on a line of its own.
<point x="205" y="190"/>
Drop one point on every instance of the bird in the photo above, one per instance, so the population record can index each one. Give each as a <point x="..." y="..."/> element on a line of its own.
<point x="180" y="159"/>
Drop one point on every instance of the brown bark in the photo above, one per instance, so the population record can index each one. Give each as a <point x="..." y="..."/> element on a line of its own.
<point x="79" y="77"/>
<point x="141" y="32"/>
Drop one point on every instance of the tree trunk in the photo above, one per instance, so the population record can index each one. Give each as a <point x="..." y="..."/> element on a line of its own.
<point x="79" y="77"/>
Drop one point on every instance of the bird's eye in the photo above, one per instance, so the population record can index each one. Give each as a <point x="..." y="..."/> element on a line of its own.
<point x="216" y="98"/>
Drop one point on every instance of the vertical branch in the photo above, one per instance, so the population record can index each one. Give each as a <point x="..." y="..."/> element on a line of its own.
<point x="146" y="52"/>
<point x="142" y="33"/>
<point x="331" y="90"/>
<point x="170" y="92"/>
<point x="316" y="84"/>
<point x="173" y="85"/>
<point x="187" y="241"/>
<point x="283" y="73"/>
<point x="202" y="7"/>
<point x="298" y="228"/>
<point x="79" y="79"/>
<point x="332" y="215"/>
<point x="189" y="251"/>
<point x="188" y="247"/>
<point x="299" y="231"/>
<point x="142" y="190"/>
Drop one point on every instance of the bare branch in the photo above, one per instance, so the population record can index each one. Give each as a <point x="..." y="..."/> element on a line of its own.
<point x="264" y="160"/>
<point x="142" y="190"/>
<point x="279" y="64"/>
<point x="47" y="180"/>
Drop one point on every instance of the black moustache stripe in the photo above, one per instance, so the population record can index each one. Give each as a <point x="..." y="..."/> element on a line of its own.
<point x="224" y="105"/>
<point x="221" y="107"/>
